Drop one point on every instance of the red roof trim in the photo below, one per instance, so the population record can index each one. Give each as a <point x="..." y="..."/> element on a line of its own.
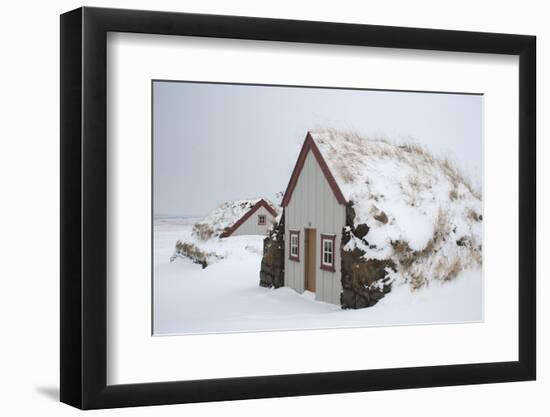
<point x="262" y="203"/>
<point x="309" y="145"/>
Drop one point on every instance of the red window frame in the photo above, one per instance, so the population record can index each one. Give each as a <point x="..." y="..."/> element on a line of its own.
<point x="262" y="216"/>
<point x="290" y="256"/>
<point x="328" y="267"/>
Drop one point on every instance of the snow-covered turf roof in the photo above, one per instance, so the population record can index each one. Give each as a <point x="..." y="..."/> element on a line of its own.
<point x="371" y="170"/>
<point x="227" y="215"/>
<point x="400" y="190"/>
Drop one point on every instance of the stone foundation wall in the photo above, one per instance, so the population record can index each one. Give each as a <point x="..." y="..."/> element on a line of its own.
<point x="272" y="272"/>
<point x="364" y="282"/>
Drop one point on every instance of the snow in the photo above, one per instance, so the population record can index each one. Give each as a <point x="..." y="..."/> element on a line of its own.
<point x="170" y="222"/>
<point x="429" y="204"/>
<point x="226" y="297"/>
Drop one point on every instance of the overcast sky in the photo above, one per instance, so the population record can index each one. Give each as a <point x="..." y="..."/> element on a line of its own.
<point x="219" y="142"/>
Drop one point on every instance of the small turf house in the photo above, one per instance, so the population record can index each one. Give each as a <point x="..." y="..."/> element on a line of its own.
<point x="360" y="214"/>
<point x="256" y="219"/>
<point x="235" y="218"/>
<point x="315" y="215"/>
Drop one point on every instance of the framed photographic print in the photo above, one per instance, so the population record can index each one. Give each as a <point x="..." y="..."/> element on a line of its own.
<point x="258" y="208"/>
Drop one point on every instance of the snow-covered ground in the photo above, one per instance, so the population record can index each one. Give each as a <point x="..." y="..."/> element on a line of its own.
<point x="226" y="297"/>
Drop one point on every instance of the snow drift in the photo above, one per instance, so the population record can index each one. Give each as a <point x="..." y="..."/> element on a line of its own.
<point x="225" y="297"/>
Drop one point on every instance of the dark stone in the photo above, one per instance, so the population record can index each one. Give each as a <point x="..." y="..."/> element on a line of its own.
<point x="265" y="279"/>
<point x="381" y="217"/>
<point x="376" y="296"/>
<point x="351" y="299"/>
<point x="361" y="301"/>
<point x="350" y="214"/>
<point x="347" y="299"/>
<point x="361" y="231"/>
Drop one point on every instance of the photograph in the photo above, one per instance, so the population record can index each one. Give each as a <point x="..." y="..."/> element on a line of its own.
<point x="281" y="208"/>
<point x="301" y="207"/>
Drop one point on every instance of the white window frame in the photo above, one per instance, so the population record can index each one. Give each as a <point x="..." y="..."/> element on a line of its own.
<point x="294" y="243"/>
<point x="326" y="238"/>
<point x="260" y="218"/>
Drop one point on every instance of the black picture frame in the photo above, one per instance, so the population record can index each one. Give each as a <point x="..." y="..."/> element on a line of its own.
<point x="84" y="207"/>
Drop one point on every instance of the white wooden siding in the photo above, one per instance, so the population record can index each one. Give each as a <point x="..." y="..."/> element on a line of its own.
<point x="251" y="226"/>
<point x="314" y="206"/>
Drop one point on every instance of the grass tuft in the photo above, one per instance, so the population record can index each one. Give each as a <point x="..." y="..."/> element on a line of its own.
<point x="193" y="252"/>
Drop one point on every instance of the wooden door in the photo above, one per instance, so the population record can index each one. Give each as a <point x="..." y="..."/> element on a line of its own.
<point x="310" y="241"/>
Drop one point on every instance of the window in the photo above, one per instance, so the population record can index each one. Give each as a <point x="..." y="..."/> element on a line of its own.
<point x="261" y="219"/>
<point x="294" y="245"/>
<point x="327" y="252"/>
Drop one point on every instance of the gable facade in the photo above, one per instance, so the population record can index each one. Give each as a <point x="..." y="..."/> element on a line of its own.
<point x="253" y="224"/>
<point x="314" y="215"/>
<point x="256" y="221"/>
